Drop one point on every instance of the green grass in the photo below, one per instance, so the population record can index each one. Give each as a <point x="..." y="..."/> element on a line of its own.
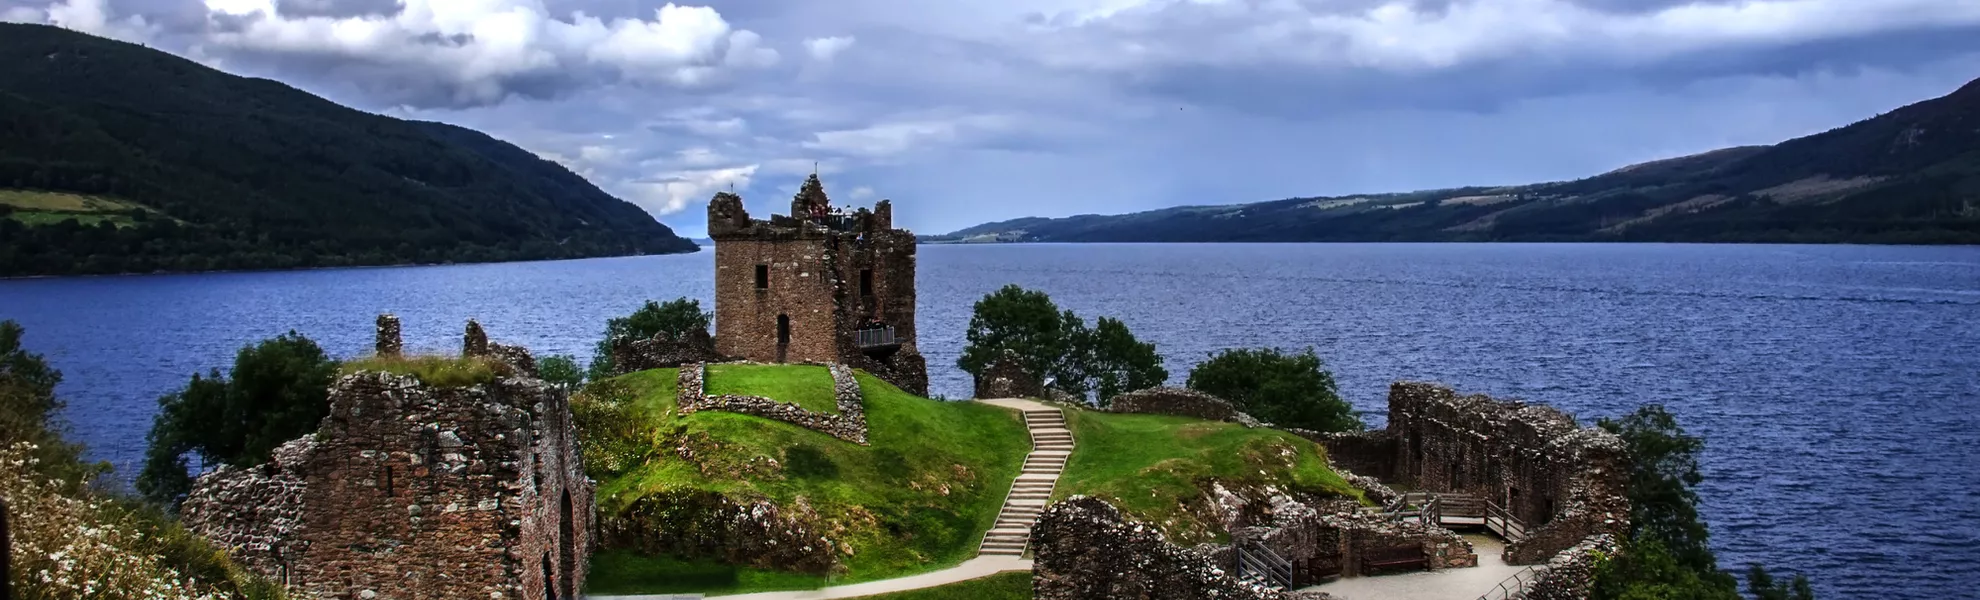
<point x="1156" y="467"/>
<point x="48" y="208"/>
<point x="438" y="371"/>
<point x="1015" y="585"/>
<point x="917" y="499"/>
<point x="808" y="386"/>
<point x="620" y="572"/>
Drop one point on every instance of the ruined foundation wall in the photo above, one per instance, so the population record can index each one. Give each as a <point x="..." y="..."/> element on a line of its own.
<point x="409" y="491"/>
<point x="1086" y="550"/>
<point x="848" y="424"/>
<point x="1566" y="482"/>
<point x="1570" y="575"/>
<point x="1368" y="453"/>
<point x="1180" y="402"/>
<point x="1323" y="544"/>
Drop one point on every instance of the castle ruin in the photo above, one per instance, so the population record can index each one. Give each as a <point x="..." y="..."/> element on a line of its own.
<point x="416" y="491"/>
<point x="819" y="285"/>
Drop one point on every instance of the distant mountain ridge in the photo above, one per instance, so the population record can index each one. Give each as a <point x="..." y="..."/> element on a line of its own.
<point x="1908" y="176"/>
<point x="119" y="158"/>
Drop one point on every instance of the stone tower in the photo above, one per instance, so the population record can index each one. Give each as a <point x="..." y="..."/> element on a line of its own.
<point x="817" y="285"/>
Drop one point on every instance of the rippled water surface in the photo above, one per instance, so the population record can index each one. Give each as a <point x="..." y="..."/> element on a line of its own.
<point x="1838" y="388"/>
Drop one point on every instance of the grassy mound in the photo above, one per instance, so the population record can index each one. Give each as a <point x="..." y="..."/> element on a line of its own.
<point x="437" y="371"/>
<point x="917" y="499"/>
<point x="1157" y="468"/>
<point x="808" y="386"/>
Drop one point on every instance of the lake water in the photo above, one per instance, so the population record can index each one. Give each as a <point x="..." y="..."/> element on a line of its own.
<point x="1837" y="387"/>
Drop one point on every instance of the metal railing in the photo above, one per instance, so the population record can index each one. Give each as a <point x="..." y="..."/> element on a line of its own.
<point x="1255" y="561"/>
<point x="876" y="336"/>
<point x="1513" y="587"/>
<point x="1501" y="522"/>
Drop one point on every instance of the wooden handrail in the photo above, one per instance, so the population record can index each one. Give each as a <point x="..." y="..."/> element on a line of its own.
<point x="1254" y="558"/>
<point x="1514" y="586"/>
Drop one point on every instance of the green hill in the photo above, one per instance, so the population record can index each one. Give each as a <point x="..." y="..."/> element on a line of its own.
<point x="1908" y="176"/>
<point x="1156" y="468"/>
<point x="119" y="158"/>
<point x="917" y="499"/>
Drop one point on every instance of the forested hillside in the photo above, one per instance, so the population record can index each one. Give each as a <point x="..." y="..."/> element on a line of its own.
<point x="1909" y="176"/>
<point x="118" y="158"/>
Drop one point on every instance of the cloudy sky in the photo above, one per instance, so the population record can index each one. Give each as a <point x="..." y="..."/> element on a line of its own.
<point x="965" y="111"/>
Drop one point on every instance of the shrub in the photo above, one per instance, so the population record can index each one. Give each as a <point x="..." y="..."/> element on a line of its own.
<point x="1288" y="390"/>
<point x="617" y="436"/>
<point x="278" y="392"/>
<point x="806" y="462"/>
<point x="676" y="317"/>
<point x="27" y="401"/>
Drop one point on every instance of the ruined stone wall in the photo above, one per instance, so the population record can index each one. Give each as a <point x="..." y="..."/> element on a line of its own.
<point x="1564" y="481"/>
<point x="800" y="288"/>
<point x="1006" y="378"/>
<point x="1181" y="402"/>
<point x="663" y="351"/>
<point x="1370" y="453"/>
<point x="1570" y="575"/>
<point x="1086" y="550"/>
<point x="409" y="491"/>
<point x="1323" y="544"/>
<point x="848" y="424"/>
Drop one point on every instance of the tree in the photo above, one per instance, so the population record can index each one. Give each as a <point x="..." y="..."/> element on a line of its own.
<point x="1669" y="554"/>
<point x="1119" y="363"/>
<point x="279" y="391"/>
<point x="27" y="401"/>
<point x="1289" y="390"/>
<point x="676" y="317"/>
<point x="560" y="369"/>
<point x="1057" y="346"/>
<point x="1024" y="322"/>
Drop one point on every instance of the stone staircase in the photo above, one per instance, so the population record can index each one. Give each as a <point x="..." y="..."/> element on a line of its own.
<point x="1051" y="444"/>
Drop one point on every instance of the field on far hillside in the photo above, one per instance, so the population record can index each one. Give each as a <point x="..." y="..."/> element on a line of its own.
<point x="48" y="208"/>
<point x="1155" y="468"/>
<point x="918" y="499"/>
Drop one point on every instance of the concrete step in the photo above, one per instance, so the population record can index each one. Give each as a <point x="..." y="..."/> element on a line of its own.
<point x="1002" y="552"/>
<point x="1013" y="547"/>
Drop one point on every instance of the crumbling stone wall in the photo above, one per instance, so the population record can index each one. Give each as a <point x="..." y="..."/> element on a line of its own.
<point x="1006" y="378"/>
<point x="823" y="278"/>
<point x="1566" y="482"/>
<point x="409" y="491"/>
<point x="849" y="424"/>
<point x="1570" y="575"/>
<point x="1323" y="544"/>
<point x="1181" y="402"/>
<point x="663" y="351"/>
<point x="1370" y="453"/>
<point x="699" y="523"/>
<point x="1086" y="550"/>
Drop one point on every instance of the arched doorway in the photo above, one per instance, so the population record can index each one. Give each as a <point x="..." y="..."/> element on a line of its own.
<point x="549" y="579"/>
<point x="783" y="337"/>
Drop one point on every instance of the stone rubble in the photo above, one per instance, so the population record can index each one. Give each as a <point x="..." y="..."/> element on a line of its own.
<point x="849" y="424"/>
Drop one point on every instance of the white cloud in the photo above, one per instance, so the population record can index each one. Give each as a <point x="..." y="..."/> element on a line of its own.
<point x="894" y="138"/>
<point x="88" y="16"/>
<point x="480" y="52"/>
<point x="670" y="193"/>
<point x="823" y="49"/>
<point x="862" y="193"/>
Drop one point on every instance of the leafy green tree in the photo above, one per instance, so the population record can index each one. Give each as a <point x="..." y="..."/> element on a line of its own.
<point x="279" y="391"/>
<point x="676" y="317"/>
<point x="1662" y="484"/>
<point x="27" y="403"/>
<point x="1669" y="554"/>
<point x="1119" y="363"/>
<point x="1022" y="321"/>
<point x="560" y="369"/>
<point x="1289" y="390"/>
<point x="1057" y="346"/>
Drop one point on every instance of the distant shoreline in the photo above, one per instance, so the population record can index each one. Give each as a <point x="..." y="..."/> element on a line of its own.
<point x="336" y="268"/>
